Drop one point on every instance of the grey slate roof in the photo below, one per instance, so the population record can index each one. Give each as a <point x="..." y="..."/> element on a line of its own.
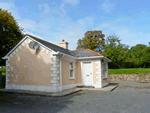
<point x="84" y="53"/>
<point x="51" y="46"/>
<point x="80" y="53"/>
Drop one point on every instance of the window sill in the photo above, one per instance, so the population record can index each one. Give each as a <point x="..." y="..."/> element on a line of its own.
<point x="72" y="78"/>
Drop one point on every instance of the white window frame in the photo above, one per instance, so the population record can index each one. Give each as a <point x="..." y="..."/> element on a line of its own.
<point x="71" y="69"/>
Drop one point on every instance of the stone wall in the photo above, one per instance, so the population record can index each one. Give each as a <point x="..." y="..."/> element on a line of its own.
<point x="143" y="77"/>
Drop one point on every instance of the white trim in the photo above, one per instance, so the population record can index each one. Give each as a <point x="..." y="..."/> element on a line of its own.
<point x="54" y="69"/>
<point x="19" y="47"/>
<point x="25" y="41"/>
<point x="56" y="72"/>
<point x="43" y="49"/>
<point x="54" y="75"/>
<point x="42" y="44"/>
<point x="97" y="85"/>
<point x="54" y="63"/>
<point x="98" y="82"/>
<point x="55" y="78"/>
<point x="14" y="53"/>
<point x="97" y="67"/>
<point x="67" y="55"/>
<point x="92" y="71"/>
<point x="7" y="70"/>
<point x="82" y="72"/>
<point x="21" y="43"/>
<point x="47" y="51"/>
<point x="29" y="40"/>
<point x="32" y="88"/>
<point x="73" y="70"/>
<point x="98" y="77"/>
<point x="7" y="64"/>
<point x="70" y="86"/>
<point x="69" y="59"/>
<point x="16" y="46"/>
<point x="60" y="75"/>
<point x="90" y="57"/>
<point x="17" y="50"/>
<point x="54" y="81"/>
<point x="98" y="72"/>
<point x="7" y="75"/>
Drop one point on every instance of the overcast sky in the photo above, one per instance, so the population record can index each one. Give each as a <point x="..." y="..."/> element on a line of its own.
<point x="54" y="20"/>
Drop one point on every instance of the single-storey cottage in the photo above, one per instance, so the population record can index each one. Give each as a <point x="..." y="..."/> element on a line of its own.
<point x="37" y="65"/>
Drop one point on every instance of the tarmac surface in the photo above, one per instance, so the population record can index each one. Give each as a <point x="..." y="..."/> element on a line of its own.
<point x="124" y="99"/>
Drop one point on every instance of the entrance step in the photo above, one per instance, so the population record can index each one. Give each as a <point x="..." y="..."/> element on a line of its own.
<point x="85" y="87"/>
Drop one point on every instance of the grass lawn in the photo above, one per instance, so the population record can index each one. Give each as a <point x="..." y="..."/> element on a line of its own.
<point x="129" y="71"/>
<point x="3" y="70"/>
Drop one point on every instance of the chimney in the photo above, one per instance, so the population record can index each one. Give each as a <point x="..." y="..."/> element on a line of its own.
<point x="63" y="44"/>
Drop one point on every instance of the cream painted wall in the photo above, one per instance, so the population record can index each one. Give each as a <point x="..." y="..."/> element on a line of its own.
<point x="65" y="73"/>
<point x="28" y="68"/>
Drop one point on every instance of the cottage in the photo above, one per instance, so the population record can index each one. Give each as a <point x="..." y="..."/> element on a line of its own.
<point x="37" y="65"/>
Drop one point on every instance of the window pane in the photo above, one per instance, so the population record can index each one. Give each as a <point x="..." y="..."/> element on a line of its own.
<point x="71" y="73"/>
<point x="71" y="64"/>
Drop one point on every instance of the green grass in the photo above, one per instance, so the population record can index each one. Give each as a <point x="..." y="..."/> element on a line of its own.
<point x="129" y="71"/>
<point x="3" y="70"/>
<point x="2" y="82"/>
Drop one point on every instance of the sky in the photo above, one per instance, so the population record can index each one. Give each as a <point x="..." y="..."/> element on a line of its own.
<point x="54" y="20"/>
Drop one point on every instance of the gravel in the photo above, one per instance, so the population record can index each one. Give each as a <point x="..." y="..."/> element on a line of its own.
<point x="121" y="100"/>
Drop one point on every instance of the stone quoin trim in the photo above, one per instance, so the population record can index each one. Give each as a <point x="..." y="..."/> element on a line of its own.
<point x="55" y="69"/>
<point x="98" y="72"/>
<point x="7" y="71"/>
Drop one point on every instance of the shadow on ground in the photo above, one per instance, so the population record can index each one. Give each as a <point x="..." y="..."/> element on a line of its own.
<point x="24" y="103"/>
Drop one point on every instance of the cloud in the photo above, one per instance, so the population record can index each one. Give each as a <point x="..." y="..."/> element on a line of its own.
<point x="45" y="6"/>
<point x="11" y="8"/>
<point x="127" y="35"/>
<point x="72" y="2"/>
<point x="28" y="24"/>
<point x="107" y="6"/>
<point x="54" y="10"/>
<point x="54" y="24"/>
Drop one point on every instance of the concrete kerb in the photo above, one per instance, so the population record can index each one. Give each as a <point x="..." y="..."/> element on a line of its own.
<point x="108" y="88"/>
<point x="37" y="93"/>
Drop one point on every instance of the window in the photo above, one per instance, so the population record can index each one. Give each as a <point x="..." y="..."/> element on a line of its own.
<point x="104" y="70"/>
<point x="71" y="67"/>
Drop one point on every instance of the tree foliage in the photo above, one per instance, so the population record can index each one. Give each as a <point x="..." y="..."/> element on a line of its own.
<point x="139" y="56"/>
<point x="121" y="55"/>
<point x="93" y="40"/>
<point x="115" y="51"/>
<point x="10" y="33"/>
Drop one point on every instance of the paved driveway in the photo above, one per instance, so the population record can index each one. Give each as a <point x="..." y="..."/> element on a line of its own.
<point x="121" y="100"/>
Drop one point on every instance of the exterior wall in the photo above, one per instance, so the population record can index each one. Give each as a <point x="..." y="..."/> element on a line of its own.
<point x="66" y="81"/>
<point x="31" y="68"/>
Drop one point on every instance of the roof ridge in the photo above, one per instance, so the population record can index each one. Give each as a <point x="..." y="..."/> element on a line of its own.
<point x="88" y="50"/>
<point x="47" y="42"/>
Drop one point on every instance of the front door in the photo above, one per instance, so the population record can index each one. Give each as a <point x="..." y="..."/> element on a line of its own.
<point x="87" y="74"/>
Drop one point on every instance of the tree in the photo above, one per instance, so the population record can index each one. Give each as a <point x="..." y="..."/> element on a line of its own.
<point x="140" y="55"/>
<point x="93" y="40"/>
<point x="10" y="33"/>
<point x="115" y="51"/>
